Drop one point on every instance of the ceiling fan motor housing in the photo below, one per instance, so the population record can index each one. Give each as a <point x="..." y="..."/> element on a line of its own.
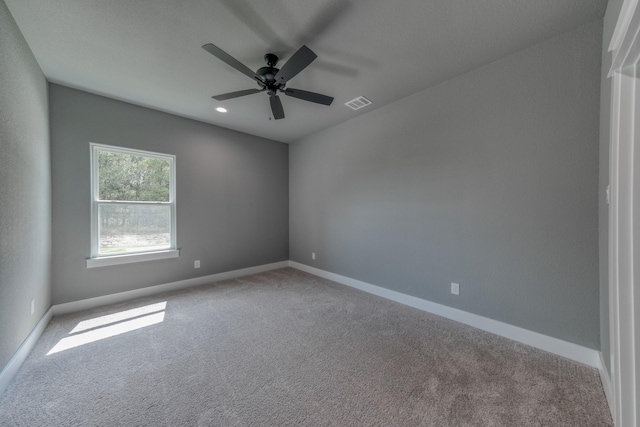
<point x="269" y="72"/>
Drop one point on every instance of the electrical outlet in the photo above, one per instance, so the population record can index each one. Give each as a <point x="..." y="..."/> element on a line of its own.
<point x="313" y="255"/>
<point x="196" y="264"/>
<point x="455" y="288"/>
<point x="33" y="306"/>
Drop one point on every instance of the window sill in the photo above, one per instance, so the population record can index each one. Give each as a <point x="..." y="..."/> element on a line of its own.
<point x="130" y="258"/>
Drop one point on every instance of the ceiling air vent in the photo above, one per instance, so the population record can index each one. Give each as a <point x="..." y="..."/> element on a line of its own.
<point x="358" y="103"/>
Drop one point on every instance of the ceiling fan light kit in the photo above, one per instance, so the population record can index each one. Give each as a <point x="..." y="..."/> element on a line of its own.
<point x="271" y="79"/>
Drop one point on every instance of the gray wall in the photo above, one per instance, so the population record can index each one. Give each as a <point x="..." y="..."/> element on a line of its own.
<point x="231" y="191"/>
<point x="489" y="180"/>
<point x="610" y="20"/>
<point x="25" y="189"/>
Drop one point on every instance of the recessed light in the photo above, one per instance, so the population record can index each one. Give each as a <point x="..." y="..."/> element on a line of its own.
<point x="221" y="110"/>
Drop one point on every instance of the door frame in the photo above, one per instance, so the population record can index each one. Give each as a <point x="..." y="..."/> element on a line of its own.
<point x="624" y="240"/>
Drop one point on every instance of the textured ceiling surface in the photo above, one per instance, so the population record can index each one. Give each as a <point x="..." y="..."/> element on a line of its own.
<point x="148" y="52"/>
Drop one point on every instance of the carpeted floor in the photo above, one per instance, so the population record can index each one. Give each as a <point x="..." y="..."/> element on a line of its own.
<point x="285" y="348"/>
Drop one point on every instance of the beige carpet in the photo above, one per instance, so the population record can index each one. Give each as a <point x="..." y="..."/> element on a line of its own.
<point x="285" y="348"/>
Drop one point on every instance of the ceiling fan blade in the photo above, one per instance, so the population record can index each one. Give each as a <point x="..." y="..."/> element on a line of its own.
<point x="298" y="62"/>
<point x="309" y="96"/>
<point x="276" y="106"/>
<point x="236" y="94"/>
<point x="230" y="60"/>
<point x="326" y="18"/>
<point x="256" y="23"/>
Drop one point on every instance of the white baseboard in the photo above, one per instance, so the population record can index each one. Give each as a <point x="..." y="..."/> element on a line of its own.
<point x="74" y="306"/>
<point x="25" y="348"/>
<point x="562" y="348"/>
<point x="605" y="378"/>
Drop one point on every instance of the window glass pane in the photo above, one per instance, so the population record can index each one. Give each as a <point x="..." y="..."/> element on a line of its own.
<point x="128" y="177"/>
<point x="126" y="228"/>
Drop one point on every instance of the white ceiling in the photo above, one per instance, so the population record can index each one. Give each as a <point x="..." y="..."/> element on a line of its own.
<point x="148" y="52"/>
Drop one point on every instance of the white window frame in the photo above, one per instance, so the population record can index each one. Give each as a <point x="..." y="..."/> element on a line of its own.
<point x="99" y="260"/>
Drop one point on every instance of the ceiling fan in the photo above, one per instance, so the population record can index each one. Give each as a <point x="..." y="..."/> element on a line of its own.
<point x="271" y="79"/>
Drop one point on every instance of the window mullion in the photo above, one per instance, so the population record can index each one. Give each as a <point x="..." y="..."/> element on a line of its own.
<point x="133" y="202"/>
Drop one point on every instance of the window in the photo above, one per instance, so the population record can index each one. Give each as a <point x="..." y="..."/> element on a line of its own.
<point x="133" y="206"/>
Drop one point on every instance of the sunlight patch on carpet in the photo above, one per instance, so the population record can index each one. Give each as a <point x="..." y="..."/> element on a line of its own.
<point x="117" y="317"/>
<point x="111" y="325"/>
